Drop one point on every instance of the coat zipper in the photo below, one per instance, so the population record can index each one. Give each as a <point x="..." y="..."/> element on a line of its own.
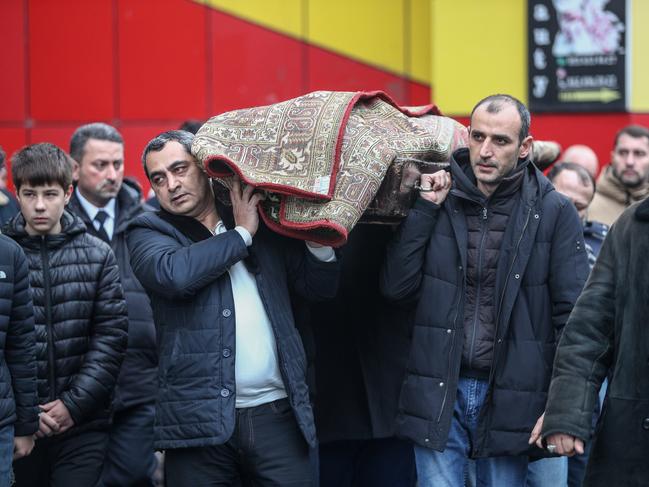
<point x="502" y="298"/>
<point x="479" y="287"/>
<point x="48" y="319"/>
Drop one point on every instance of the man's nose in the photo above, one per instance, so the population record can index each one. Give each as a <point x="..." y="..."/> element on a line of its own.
<point x="486" y="150"/>
<point x="111" y="173"/>
<point x="172" y="183"/>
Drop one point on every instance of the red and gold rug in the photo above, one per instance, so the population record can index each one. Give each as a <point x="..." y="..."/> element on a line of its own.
<point x="322" y="157"/>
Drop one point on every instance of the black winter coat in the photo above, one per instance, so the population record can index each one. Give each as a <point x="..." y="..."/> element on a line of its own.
<point x="541" y="270"/>
<point x="80" y="314"/>
<point x="193" y="308"/>
<point x="362" y="343"/>
<point x="137" y="381"/>
<point x="18" y="399"/>
<point x="608" y="335"/>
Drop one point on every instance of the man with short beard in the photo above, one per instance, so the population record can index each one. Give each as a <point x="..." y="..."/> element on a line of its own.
<point x="106" y="202"/>
<point x="626" y="180"/>
<point x="493" y="259"/>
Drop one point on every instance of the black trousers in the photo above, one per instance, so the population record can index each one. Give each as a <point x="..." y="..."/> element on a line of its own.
<point x="386" y="462"/>
<point x="72" y="461"/>
<point x="130" y="459"/>
<point x="266" y="449"/>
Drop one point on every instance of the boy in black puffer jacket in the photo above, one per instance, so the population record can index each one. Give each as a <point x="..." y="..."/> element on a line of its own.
<point x="81" y="323"/>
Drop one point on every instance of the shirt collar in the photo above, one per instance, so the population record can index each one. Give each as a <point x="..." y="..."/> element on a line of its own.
<point x="220" y="228"/>
<point x="92" y="210"/>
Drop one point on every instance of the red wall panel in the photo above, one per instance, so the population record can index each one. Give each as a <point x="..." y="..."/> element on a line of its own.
<point x="135" y="138"/>
<point x="639" y="119"/>
<point x="252" y="65"/>
<point x="162" y="72"/>
<point x="12" y="61"/>
<point x="329" y="71"/>
<point x="595" y="130"/>
<point x="71" y="59"/>
<point x="12" y="139"/>
<point x="59" y="135"/>
<point x="146" y="65"/>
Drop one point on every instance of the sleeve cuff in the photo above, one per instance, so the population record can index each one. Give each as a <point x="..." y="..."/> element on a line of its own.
<point x="245" y="235"/>
<point x="323" y="254"/>
<point x="425" y="205"/>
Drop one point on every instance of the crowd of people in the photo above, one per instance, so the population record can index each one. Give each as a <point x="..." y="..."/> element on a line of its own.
<point x="497" y="337"/>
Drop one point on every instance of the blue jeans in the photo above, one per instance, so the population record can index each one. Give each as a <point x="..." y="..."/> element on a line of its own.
<point x="548" y="472"/>
<point x="449" y="468"/>
<point x="6" y="455"/>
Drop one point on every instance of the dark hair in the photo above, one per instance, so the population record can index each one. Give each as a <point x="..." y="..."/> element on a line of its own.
<point x="584" y="176"/>
<point x="158" y="143"/>
<point x="191" y="126"/>
<point x="495" y="104"/>
<point x="41" y="164"/>
<point x="98" y="131"/>
<point x="3" y="156"/>
<point x="635" y="131"/>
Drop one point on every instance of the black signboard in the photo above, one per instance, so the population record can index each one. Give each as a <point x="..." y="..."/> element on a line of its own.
<point x="577" y="55"/>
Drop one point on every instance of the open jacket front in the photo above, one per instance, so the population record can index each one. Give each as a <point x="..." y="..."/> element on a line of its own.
<point x="541" y="269"/>
<point x="194" y="312"/>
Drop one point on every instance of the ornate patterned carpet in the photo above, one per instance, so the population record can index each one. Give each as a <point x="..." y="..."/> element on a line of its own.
<point x="322" y="157"/>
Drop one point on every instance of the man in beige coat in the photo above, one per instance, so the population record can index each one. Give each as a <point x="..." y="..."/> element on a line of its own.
<point x="626" y="180"/>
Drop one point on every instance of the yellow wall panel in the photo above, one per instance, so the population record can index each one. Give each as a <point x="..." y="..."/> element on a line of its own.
<point x="639" y="100"/>
<point x="371" y="31"/>
<point x="419" y="41"/>
<point x="281" y="15"/>
<point x="478" y="48"/>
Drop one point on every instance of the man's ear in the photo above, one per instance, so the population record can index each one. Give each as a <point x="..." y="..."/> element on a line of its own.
<point x="75" y="170"/>
<point x="525" y="148"/>
<point x="68" y="194"/>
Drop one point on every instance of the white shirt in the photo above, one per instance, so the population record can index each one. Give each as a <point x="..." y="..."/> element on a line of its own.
<point x="92" y="210"/>
<point x="256" y="369"/>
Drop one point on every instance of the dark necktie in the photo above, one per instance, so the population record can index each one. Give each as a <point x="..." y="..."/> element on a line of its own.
<point x="101" y="232"/>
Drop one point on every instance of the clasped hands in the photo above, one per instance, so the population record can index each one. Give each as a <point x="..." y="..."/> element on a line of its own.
<point x="558" y="443"/>
<point x="53" y="419"/>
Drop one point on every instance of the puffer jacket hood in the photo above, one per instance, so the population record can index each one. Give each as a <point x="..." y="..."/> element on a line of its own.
<point x="465" y="184"/>
<point x="71" y="226"/>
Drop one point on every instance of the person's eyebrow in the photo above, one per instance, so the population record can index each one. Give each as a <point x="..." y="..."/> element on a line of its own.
<point x="175" y="164"/>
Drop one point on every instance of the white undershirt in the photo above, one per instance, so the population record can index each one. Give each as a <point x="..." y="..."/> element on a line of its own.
<point x="257" y="374"/>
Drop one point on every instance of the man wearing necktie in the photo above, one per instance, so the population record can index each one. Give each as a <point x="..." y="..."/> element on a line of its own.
<point x="99" y="221"/>
<point x="107" y="203"/>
